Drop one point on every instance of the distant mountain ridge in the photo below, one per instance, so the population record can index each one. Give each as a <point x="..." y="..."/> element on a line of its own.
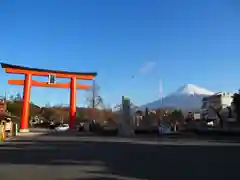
<point x="188" y="96"/>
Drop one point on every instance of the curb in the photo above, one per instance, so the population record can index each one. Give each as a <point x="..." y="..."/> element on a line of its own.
<point x="22" y="136"/>
<point x="9" y="139"/>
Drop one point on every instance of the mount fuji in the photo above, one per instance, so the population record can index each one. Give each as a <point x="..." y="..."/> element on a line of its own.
<point x="187" y="97"/>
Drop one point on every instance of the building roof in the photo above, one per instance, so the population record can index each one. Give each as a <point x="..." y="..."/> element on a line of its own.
<point x="4" y="65"/>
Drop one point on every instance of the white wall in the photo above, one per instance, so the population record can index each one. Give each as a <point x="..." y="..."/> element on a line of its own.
<point x="226" y="101"/>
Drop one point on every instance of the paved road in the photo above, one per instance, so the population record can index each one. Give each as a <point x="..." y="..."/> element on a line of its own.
<point x="68" y="157"/>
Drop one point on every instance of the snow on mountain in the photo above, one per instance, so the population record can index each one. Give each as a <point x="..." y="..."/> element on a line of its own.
<point x="191" y="89"/>
<point x="187" y="97"/>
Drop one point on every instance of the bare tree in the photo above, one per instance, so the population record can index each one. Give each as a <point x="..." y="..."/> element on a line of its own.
<point x="16" y="97"/>
<point x="220" y="118"/>
<point x="94" y="100"/>
<point x="48" y="105"/>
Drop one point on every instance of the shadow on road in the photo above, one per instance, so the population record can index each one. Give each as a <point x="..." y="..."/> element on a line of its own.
<point x="109" y="160"/>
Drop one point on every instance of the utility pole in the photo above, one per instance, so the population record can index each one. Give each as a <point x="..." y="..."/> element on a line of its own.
<point x="61" y="117"/>
<point x="93" y="99"/>
<point x="5" y="96"/>
<point x="93" y="94"/>
<point x="161" y="91"/>
<point x="161" y="100"/>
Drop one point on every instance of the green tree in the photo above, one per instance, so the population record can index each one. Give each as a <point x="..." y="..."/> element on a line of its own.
<point x="177" y="115"/>
<point x="14" y="108"/>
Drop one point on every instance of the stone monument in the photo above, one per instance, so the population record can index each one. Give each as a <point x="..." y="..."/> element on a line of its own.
<point x="125" y="126"/>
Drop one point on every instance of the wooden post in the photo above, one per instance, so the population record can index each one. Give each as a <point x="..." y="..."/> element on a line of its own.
<point x="2" y="132"/>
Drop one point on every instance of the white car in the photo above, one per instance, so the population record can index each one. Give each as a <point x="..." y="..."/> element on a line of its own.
<point x="62" y="127"/>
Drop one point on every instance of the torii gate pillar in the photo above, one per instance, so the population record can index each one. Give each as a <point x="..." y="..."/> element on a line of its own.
<point x="26" y="102"/>
<point x="72" y="111"/>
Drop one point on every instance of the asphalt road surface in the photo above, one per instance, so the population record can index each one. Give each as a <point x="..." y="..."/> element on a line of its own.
<point x="65" y="156"/>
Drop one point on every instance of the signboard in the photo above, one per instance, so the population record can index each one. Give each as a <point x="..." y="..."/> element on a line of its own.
<point x="51" y="79"/>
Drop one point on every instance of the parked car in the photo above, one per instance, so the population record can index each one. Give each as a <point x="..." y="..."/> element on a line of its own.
<point x="62" y="127"/>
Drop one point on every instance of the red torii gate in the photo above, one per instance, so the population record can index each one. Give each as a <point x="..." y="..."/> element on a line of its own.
<point x="28" y="82"/>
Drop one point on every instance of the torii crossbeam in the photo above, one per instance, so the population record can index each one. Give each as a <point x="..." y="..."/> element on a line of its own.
<point x="28" y="82"/>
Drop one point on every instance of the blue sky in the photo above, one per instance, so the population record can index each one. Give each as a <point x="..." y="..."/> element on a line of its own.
<point x="187" y="41"/>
